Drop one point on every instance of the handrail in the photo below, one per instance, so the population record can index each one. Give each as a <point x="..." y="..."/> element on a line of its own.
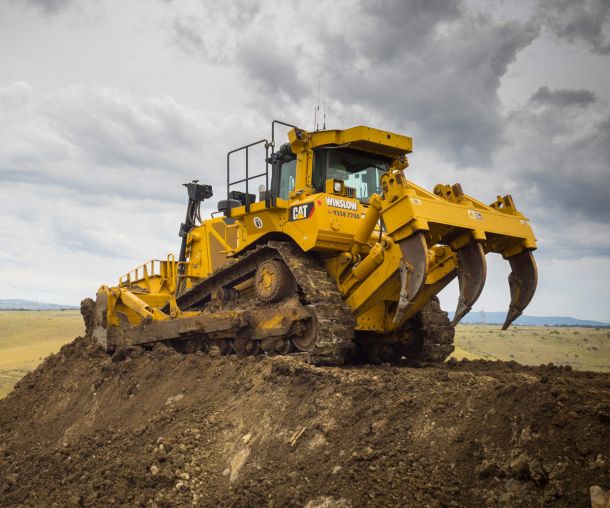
<point x="248" y="178"/>
<point x="172" y="277"/>
<point x="148" y="271"/>
<point x="273" y="131"/>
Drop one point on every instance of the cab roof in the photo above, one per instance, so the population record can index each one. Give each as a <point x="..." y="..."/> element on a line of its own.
<point x="365" y="139"/>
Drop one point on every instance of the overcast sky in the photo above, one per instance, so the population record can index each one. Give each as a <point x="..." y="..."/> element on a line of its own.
<point x="106" y="108"/>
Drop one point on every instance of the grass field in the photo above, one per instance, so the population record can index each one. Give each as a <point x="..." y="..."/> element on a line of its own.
<point x="27" y="337"/>
<point x="581" y="348"/>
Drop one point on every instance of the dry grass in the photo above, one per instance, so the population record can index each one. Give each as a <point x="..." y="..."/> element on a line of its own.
<point x="581" y="348"/>
<point x="27" y="337"/>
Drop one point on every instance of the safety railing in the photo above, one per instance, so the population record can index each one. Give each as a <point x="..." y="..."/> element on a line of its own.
<point x="142" y="275"/>
<point x="248" y="177"/>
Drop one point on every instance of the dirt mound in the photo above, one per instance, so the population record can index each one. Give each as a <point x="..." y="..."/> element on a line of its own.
<point x="157" y="428"/>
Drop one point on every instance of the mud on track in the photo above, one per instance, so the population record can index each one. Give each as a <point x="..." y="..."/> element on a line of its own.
<point x="159" y="428"/>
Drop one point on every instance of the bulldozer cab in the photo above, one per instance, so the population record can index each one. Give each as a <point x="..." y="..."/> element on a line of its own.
<point x="330" y="168"/>
<point x="348" y="162"/>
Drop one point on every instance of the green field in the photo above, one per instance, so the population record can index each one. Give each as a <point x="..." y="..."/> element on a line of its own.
<point x="27" y="337"/>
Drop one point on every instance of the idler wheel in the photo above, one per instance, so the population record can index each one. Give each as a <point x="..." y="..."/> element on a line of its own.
<point x="273" y="281"/>
<point x="306" y="340"/>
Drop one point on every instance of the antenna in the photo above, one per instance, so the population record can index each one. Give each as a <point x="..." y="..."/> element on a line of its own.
<point x="315" y="117"/>
<point x="318" y="108"/>
<point x="324" y="125"/>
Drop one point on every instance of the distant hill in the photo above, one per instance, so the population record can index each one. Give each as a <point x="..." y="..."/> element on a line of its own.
<point x="498" y="318"/>
<point x="29" y="305"/>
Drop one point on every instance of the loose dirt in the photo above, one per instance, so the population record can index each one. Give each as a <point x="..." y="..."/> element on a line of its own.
<point x="156" y="428"/>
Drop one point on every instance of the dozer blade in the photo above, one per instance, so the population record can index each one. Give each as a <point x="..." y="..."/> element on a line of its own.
<point x="412" y="272"/>
<point x="523" y="280"/>
<point x="472" y="272"/>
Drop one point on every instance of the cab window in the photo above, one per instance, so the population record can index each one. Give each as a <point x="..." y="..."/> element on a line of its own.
<point x="288" y="171"/>
<point x="358" y="170"/>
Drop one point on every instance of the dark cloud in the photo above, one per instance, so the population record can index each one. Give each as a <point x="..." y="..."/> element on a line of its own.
<point x="187" y="34"/>
<point x="562" y="98"/>
<point x="439" y="81"/>
<point x="430" y="68"/>
<point x="586" y="21"/>
<point x="237" y="14"/>
<point x="49" y="6"/>
<point x="561" y="155"/>
<point x="273" y="70"/>
<point x="399" y="23"/>
<point x="580" y="179"/>
<point x="213" y="36"/>
<point x="566" y="241"/>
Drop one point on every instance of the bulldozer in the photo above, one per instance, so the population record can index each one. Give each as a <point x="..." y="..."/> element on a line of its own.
<point x="336" y="256"/>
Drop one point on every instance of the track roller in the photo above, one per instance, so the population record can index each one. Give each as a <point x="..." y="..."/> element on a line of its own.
<point x="246" y="347"/>
<point x="221" y="346"/>
<point x="276" y="346"/>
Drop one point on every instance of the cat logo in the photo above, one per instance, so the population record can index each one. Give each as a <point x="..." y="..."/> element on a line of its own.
<point x="299" y="212"/>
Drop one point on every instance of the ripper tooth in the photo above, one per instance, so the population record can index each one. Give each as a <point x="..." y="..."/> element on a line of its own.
<point x="522" y="280"/>
<point x="412" y="271"/>
<point x="472" y="272"/>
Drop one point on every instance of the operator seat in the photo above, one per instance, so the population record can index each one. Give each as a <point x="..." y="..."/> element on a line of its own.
<point x="225" y="204"/>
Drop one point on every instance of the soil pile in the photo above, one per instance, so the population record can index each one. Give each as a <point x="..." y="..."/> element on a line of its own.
<point x="156" y="428"/>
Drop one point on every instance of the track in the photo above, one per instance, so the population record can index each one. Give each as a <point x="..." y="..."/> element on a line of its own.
<point x="234" y="319"/>
<point x="427" y="338"/>
<point x="334" y="322"/>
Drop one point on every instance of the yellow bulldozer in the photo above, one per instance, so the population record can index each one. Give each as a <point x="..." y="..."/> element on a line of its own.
<point x="336" y="256"/>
